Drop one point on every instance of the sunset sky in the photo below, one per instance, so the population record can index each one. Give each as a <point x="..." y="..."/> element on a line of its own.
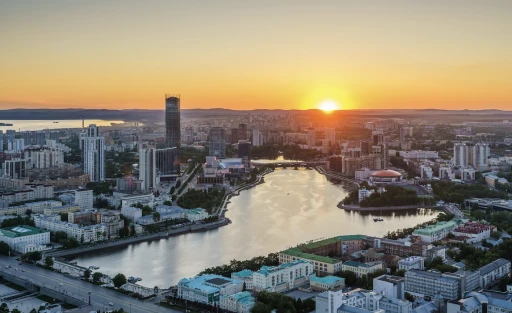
<point x="256" y="54"/>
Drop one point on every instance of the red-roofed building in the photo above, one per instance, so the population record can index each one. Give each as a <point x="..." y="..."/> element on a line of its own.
<point x="475" y="232"/>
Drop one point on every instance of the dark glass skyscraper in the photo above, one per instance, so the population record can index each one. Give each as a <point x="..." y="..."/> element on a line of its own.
<point x="172" y="121"/>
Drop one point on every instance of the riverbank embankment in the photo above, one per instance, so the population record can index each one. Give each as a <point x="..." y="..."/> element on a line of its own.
<point x="141" y="238"/>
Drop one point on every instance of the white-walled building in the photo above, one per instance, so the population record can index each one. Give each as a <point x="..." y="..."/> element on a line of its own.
<point x="131" y="213"/>
<point x="475" y="232"/>
<point x="435" y="232"/>
<point x="412" y="262"/>
<point x="426" y="172"/>
<point x="147" y="167"/>
<point x="460" y="155"/>
<point x="365" y="193"/>
<point x="34" y="207"/>
<point x="257" y="138"/>
<point x="84" y="199"/>
<point x="43" y="157"/>
<point x="493" y="272"/>
<point x="208" y="288"/>
<point x="244" y="276"/>
<point x="284" y="277"/>
<point x="241" y="302"/>
<point x="24" y="239"/>
<point x="390" y="286"/>
<point x="361" y="269"/>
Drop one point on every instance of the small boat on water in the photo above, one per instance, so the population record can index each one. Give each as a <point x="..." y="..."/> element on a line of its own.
<point x="55" y="122"/>
<point x="378" y="219"/>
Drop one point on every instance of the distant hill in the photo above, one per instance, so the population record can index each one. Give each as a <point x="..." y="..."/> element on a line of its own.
<point x="157" y="115"/>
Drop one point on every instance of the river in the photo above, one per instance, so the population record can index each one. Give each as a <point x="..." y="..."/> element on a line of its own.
<point x="291" y="207"/>
<point x="23" y="125"/>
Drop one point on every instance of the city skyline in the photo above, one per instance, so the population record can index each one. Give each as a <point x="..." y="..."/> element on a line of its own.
<point x="286" y="55"/>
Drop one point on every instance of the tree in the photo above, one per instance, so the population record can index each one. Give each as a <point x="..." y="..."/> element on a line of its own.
<point x="156" y="217"/>
<point x="64" y="217"/>
<point x="4" y="308"/>
<point x="87" y="274"/>
<point x="260" y="308"/>
<point x="496" y="235"/>
<point x="502" y="285"/>
<point x="244" y="287"/>
<point x="119" y="280"/>
<point x="34" y="256"/>
<point x="400" y="273"/>
<point x="48" y="261"/>
<point x="60" y="235"/>
<point x="409" y="297"/>
<point x="173" y="197"/>
<point x="350" y="277"/>
<point x="96" y="277"/>
<point x="4" y="248"/>
<point x="33" y="311"/>
<point x="15" y="311"/>
<point x="123" y="232"/>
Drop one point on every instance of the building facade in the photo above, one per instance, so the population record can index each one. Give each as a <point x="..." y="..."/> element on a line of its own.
<point x="94" y="154"/>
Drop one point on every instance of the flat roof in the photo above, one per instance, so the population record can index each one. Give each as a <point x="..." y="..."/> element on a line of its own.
<point x="21" y="230"/>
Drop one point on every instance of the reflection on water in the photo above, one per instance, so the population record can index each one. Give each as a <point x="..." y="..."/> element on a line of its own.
<point x="291" y="207"/>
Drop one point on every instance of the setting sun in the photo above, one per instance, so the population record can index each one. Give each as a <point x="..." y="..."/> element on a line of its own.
<point x="328" y="106"/>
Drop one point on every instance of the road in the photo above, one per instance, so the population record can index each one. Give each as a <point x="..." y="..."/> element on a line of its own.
<point x="78" y="289"/>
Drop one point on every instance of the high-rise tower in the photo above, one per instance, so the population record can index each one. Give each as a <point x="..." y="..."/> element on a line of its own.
<point x="93" y="145"/>
<point x="172" y="121"/>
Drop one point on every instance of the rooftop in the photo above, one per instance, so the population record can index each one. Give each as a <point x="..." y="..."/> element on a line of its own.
<point x="492" y="266"/>
<point x="20" y="231"/>
<point x="358" y="264"/>
<point x="329" y="280"/>
<point x="243" y="273"/>
<point x="439" y="226"/>
<point x="266" y="270"/>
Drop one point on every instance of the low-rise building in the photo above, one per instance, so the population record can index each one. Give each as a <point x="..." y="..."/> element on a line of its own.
<point x="208" y="288"/>
<point x="493" y="272"/>
<point x="244" y="276"/>
<point x="424" y="283"/>
<point x="398" y="247"/>
<point x="435" y="232"/>
<point x="475" y="232"/>
<point x="361" y="269"/>
<point x="478" y="302"/>
<point x="319" y="252"/>
<point x="326" y="283"/>
<point x="24" y="239"/>
<point x="196" y="214"/>
<point x="131" y="213"/>
<point x="365" y="193"/>
<point x="241" y="302"/>
<point x="34" y="207"/>
<point x="390" y="286"/>
<point x="61" y="209"/>
<point x="413" y="262"/>
<point x="284" y="277"/>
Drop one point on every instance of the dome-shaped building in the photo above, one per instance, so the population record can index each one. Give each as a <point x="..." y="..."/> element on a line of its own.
<point x="386" y="176"/>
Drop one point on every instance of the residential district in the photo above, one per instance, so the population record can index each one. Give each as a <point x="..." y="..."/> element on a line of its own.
<point x="67" y="191"/>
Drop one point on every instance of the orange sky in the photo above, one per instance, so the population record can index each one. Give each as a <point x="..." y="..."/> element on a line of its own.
<point x="256" y="54"/>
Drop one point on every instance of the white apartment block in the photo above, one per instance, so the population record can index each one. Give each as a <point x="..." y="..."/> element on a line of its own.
<point x="30" y="193"/>
<point x="131" y="213"/>
<point x="412" y="262"/>
<point x="257" y="138"/>
<point x="34" y="207"/>
<point x="244" y="276"/>
<point x="108" y="228"/>
<point x="84" y="199"/>
<point x="460" y="155"/>
<point x="361" y="269"/>
<point x="419" y="154"/>
<point x="493" y="272"/>
<point x="94" y="154"/>
<point x="283" y="277"/>
<point x="479" y="156"/>
<point x="43" y="157"/>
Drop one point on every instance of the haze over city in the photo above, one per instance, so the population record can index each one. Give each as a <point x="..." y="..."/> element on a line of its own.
<point x="256" y="55"/>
